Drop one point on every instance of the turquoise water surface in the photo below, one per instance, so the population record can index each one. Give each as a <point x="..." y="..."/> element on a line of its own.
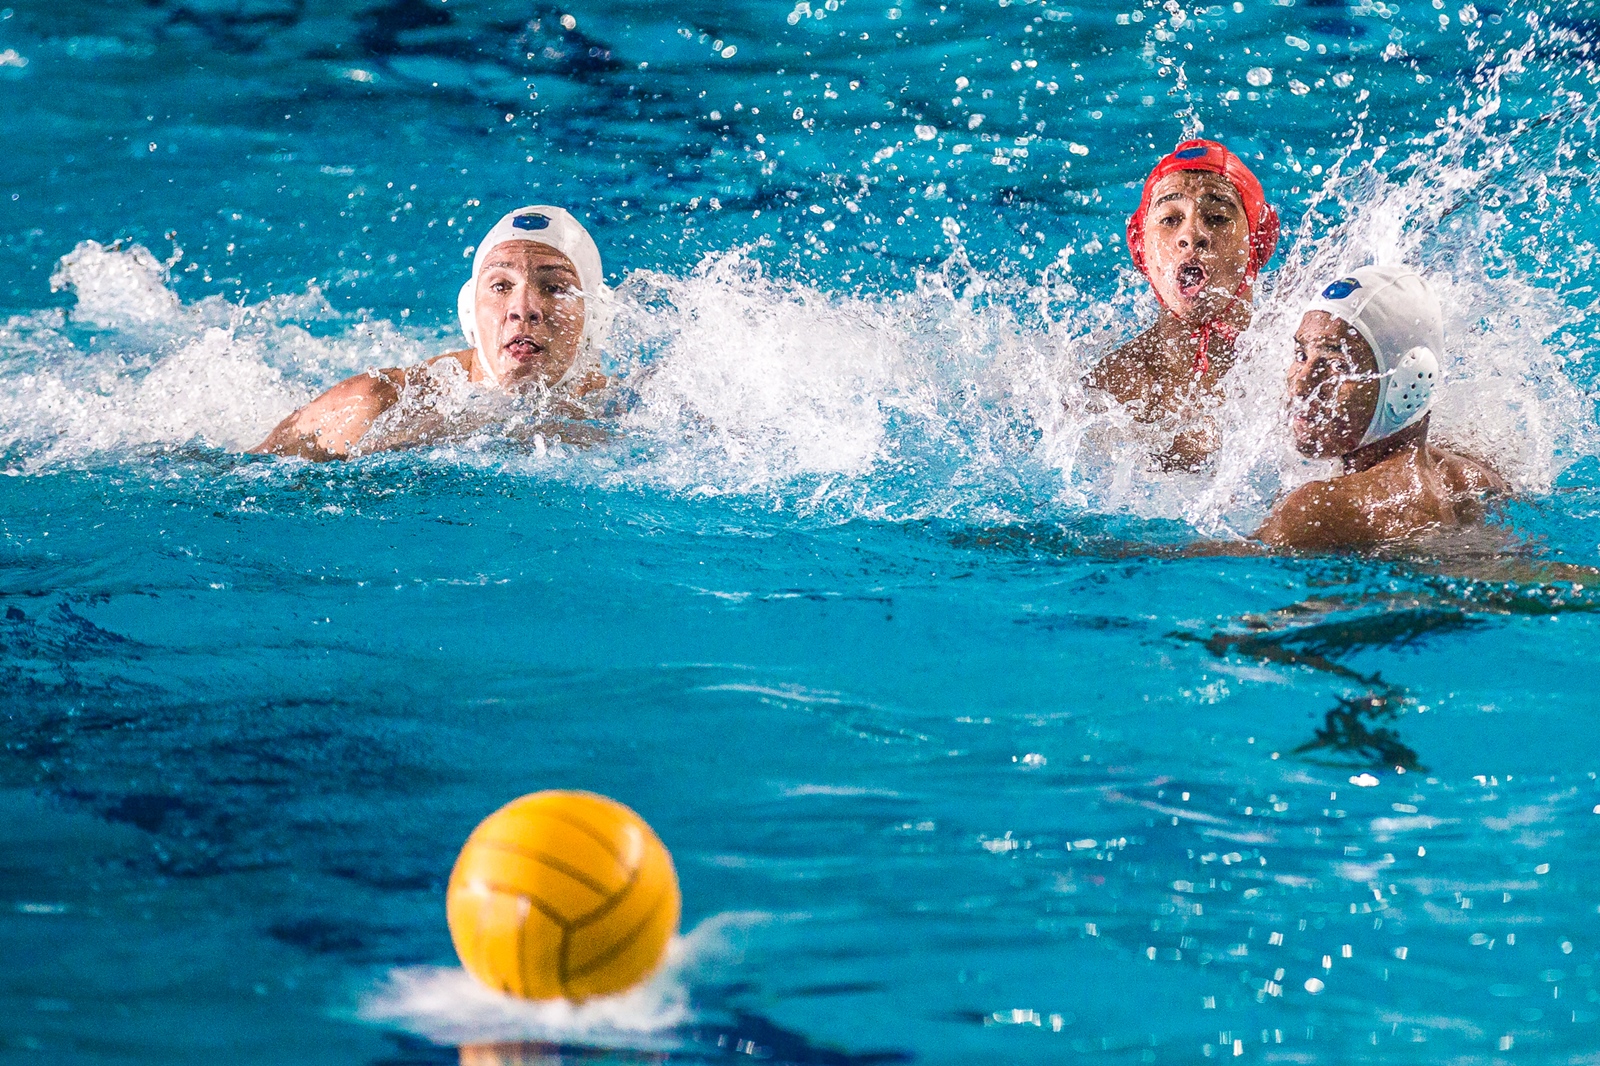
<point x="891" y="632"/>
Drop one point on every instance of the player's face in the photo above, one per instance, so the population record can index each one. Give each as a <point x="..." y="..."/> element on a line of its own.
<point x="530" y="313"/>
<point x="1196" y="243"/>
<point x="1333" y="387"/>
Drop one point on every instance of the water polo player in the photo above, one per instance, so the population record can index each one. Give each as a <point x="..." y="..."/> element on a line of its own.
<point x="1367" y="368"/>
<point x="524" y="312"/>
<point x="1201" y="235"/>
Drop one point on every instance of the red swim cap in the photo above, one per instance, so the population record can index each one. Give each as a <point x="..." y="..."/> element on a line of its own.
<point x="1209" y="155"/>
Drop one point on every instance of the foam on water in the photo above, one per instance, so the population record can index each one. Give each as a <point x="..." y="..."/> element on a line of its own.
<point x="894" y="405"/>
<point x="131" y="367"/>
<point x="447" y="1006"/>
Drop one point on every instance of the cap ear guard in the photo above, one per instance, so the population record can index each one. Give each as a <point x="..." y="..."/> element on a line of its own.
<point x="1411" y="385"/>
<point x="1263" y="242"/>
<point x="1405" y="394"/>
<point x="1136" y="240"/>
<point x="467" y="310"/>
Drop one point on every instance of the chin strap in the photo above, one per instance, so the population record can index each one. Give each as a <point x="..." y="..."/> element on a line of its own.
<point x="1202" y="336"/>
<point x="486" y="367"/>
<point x="1216" y="325"/>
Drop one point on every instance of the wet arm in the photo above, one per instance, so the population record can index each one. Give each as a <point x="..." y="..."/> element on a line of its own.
<point x="331" y="426"/>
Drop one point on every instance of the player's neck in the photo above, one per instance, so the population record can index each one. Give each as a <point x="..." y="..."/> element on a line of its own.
<point x="1412" y="439"/>
<point x="1174" y="342"/>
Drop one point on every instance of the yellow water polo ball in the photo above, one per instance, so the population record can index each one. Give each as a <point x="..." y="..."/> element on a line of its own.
<point x="562" y="895"/>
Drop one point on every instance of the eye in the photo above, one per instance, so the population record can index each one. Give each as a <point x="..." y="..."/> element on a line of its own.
<point x="501" y="286"/>
<point x="1219" y="220"/>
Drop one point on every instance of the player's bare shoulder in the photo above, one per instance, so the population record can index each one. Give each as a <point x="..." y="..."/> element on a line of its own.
<point x="330" y="426"/>
<point x="1468" y="476"/>
<point x="464" y="358"/>
<point x="1318" y="516"/>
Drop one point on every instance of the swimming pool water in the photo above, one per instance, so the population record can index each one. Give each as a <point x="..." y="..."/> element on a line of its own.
<point x="884" y="627"/>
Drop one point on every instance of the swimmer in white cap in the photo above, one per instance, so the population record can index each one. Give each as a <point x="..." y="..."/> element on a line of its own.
<point x="1367" y="368"/>
<point x="524" y="311"/>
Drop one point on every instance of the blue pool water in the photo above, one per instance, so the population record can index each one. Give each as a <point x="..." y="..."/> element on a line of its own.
<point x="886" y="628"/>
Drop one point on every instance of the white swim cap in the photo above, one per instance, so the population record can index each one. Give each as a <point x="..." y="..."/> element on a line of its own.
<point x="1398" y="315"/>
<point x="550" y="226"/>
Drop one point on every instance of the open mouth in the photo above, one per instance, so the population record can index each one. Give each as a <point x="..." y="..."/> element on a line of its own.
<point x="523" y="348"/>
<point x="1191" y="280"/>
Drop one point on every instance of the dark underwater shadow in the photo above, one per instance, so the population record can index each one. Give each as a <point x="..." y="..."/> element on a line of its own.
<point x="1392" y="598"/>
<point x="1317" y="633"/>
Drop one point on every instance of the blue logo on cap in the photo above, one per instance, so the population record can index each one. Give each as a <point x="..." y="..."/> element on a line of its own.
<point x="1340" y="289"/>
<point x="1191" y="153"/>
<point x="531" y="221"/>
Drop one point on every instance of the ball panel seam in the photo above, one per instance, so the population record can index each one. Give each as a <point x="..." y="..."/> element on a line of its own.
<point x="533" y="901"/>
<point x="553" y="863"/>
<point x="617" y="948"/>
<point x="592" y="833"/>
<point x="609" y="905"/>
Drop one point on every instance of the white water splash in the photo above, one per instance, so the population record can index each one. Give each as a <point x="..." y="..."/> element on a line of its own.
<point x="888" y="405"/>
<point x="958" y="399"/>
<point x="115" y="287"/>
<point x="446" y="1005"/>
<point x="1511" y="359"/>
<point x="133" y="368"/>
